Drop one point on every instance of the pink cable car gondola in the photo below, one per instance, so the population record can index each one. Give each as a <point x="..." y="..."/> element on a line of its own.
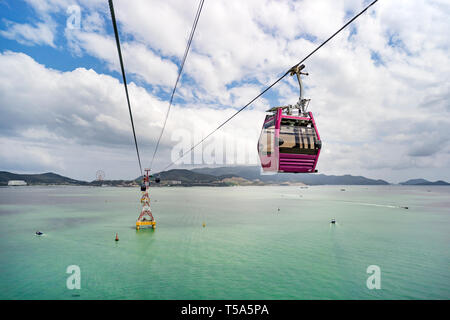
<point x="289" y="140"/>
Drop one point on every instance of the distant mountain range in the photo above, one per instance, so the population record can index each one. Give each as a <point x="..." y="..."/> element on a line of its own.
<point x="51" y="178"/>
<point x="254" y="173"/>
<point x="423" y="182"/>
<point x="223" y="176"/>
<point x="42" y="178"/>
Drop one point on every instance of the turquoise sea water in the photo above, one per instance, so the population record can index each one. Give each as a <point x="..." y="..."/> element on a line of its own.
<point x="248" y="249"/>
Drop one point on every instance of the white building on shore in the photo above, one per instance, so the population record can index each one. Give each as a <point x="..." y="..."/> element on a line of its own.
<point x="16" y="183"/>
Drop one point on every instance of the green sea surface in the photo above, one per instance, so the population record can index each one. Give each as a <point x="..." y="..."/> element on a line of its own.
<point x="248" y="248"/>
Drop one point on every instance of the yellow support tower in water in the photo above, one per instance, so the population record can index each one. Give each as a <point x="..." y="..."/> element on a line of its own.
<point x="145" y="218"/>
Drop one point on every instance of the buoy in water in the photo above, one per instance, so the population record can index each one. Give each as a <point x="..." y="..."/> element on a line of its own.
<point x="204" y="224"/>
<point x="117" y="237"/>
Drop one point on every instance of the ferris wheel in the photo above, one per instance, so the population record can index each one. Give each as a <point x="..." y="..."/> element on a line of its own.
<point x="100" y="175"/>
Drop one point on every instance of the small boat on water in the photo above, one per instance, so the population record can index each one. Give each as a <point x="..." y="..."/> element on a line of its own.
<point x="333" y="221"/>
<point x="38" y="233"/>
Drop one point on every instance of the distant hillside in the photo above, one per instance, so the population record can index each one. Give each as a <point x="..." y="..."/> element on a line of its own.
<point x="423" y="182"/>
<point x="183" y="175"/>
<point x="247" y="172"/>
<point x="414" y="182"/>
<point x="254" y="172"/>
<point x="187" y="176"/>
<point x="43" y="178"/>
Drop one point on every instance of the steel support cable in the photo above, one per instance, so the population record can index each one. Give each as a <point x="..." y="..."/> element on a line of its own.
<point x="183" y="60"/>
<point x="116" y="33"/>
<point x="274" y="83"/>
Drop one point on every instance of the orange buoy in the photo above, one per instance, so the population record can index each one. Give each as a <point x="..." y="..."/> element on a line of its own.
<point x="117" y="237"/>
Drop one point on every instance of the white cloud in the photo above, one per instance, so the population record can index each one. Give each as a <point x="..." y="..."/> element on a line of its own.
<point x="16" y="155"/>
<point x="138" y="59"/>
<point x="25" y="33"/>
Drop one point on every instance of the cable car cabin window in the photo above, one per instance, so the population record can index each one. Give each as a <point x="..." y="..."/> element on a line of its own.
<point x="270" y="123"/>
<point x="265" y="143"/>
<point x="298" y="137"/>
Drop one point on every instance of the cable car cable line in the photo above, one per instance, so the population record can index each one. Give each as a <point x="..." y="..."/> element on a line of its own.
<point x="273" y="84"/>
<point x="191" y="36"/>
<point x="116" y="34"/>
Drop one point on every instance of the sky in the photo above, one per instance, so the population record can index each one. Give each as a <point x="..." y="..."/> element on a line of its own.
<point x="380" y="90"/>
